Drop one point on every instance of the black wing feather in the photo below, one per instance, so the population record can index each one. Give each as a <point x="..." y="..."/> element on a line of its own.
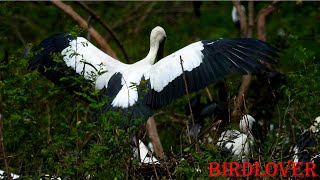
<point x="220" y="58"/>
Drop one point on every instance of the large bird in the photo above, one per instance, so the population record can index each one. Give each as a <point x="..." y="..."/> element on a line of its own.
<point x="239" y="143"/>
<point x="147" y="84"/>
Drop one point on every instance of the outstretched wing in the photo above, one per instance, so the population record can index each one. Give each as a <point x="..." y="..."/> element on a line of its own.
<point x="205" y="62"/>
<point x="79" y="57"/>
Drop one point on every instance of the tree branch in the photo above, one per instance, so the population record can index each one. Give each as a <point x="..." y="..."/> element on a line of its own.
<point x="82" y="23"/>
<point x="154" y="137"/>
<point x="251" y="18"/>
<point x="261" y="20"/>
<point x="243" y="19"/>
<point x="105" y="26"/>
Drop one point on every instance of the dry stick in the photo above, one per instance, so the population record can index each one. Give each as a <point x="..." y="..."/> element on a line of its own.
<point x="89" y="25"/>
<point x="105" y="26"/>
<point x="99" y="39"/>
<point x="49" y="123"/>
<point x="154" y="137"/>
<point x="138" y="146"/>
<point x="189" y="104"/>
<point x="209" y="94"/>
<point x="3" y="150"/>
<point x="155" y="170"/>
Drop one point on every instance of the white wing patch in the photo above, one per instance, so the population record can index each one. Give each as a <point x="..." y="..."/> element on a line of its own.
<point x="128" y="95"/>
<point x="169" y="68"/>
<point x="91" y="62"/>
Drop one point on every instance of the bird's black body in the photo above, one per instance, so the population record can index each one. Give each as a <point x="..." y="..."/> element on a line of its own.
<point x="306" y="140"/>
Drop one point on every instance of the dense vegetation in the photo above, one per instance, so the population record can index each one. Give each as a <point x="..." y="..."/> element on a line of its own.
<point x="47" y="130"/>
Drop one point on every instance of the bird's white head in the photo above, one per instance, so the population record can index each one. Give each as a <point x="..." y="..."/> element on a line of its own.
<point x="157" y="39"/>
<point x="157" y="35"/>
<point x="316" y="125"/>
<point x="246" y="123"/>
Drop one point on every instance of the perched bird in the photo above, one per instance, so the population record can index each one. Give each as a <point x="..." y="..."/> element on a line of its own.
<point x="3" y="175"/>
<point x="239" y="143"/>
<point x="145" y="85"/>
<point x="235" y="15"/>
<point x="145" y="154"/>
<point x="306" y="148"/>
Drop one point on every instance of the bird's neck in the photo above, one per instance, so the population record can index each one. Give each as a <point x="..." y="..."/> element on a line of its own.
<point x="154" y="47"/>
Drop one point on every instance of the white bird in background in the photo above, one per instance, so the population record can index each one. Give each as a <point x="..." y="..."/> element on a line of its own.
<point x="202" y="63"/>
<point x="4" y="176"/>
<point x="305" y="149"/>
<point x="15" y="176"/>
<point x="235" y="15"/>
<point x="239" y="143"/>
<point x="145" y="155"/>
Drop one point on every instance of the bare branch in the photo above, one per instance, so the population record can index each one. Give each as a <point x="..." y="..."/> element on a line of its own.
<point x="243" y="19"/>
<point x="251" y="18"/>
<point x="105" y="26"/>
<point x="83" y="23"/>
<point x="154" y="137"/>
<point x="243" y="90"/>
<point x="261" y="20"/>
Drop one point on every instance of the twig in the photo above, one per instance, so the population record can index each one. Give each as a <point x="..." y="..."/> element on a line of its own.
<point x="20" y="37"/>
<point x="155" y="170"/>
<point x="100" y="40"/>
<point x="189" y="104"/>
<point x="209" y="94"/>
<point x="49" y="123"/>
<point x="105" y="26"/>
<point x="6" y="166"/>
<point x="89" y="25"/>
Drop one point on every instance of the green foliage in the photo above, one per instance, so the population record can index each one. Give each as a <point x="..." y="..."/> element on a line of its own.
<point x="48" y="130"/>
<point x="302" y="89"/>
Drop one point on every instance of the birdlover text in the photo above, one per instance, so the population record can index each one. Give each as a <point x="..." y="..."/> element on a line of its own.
<point x="257" y="169"/>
